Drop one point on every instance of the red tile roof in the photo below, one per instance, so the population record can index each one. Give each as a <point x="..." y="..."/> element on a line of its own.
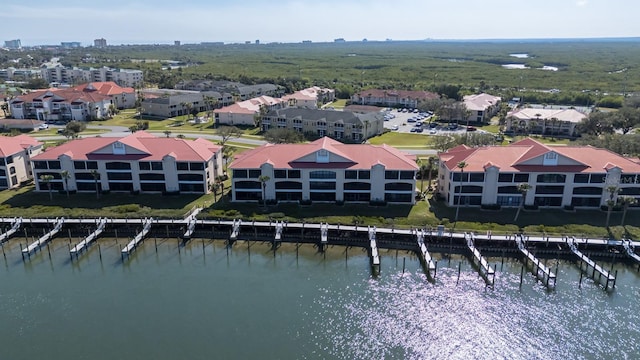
<point x="11" y="145"/>
<point x="107" y="88"/>
<point x="358" y="156"/>
<point x="154" y="148"/>
<point x="513" y="158"/>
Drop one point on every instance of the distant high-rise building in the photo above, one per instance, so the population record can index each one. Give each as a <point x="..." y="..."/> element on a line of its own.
<point x="13" y="44"/>
<point x="100" y="43"/>
<point x="339" y="40"/>
<point x="70" y="44"/>
<point x="257" y="42"/>
<point x="176" y="43"/>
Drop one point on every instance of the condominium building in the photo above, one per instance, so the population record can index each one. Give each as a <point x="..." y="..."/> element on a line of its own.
<point x="140" y="162"/>
<point x="57" y="73"/>
<point x="481" y="107"/>
<point x="393" y="98"/>
<point x="561" y="122"/>
<point x="325" y="171"/>
<point x="559" y="176"/>
<point x="247" y="112"/>
<point x="340" y="125"/>
<point x="310" y="98"/>
<point x="15" y="157"/>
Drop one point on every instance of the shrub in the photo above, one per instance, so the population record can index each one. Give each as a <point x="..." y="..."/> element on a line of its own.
<point x="531" y="207"/>
<point x="340" y="202"/>
<point x="377" y="203"/>
<point x="128" y="208"/>
<point x="276" y="215"/>
<point x="305" y="202"/>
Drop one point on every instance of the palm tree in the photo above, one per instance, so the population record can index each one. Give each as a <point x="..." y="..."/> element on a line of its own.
<point x="46" y="179"/>
<point x="461" y="165"/>
<point x="423" y="168"/>
<point x="523" y="189"/>
<point x="612" y="190"/>
<point x="96" y="177"/>
<point x="66" y="176"/>
<point x="215" y="187"/>
<point x="263" y="179"/>
<point x="626" y="201"/>
<point x="220" y="180"/>
<point x="431" y="163"/>
<point x="167" y="133"/>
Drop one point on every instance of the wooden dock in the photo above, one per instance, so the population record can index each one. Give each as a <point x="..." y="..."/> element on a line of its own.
<point x="375" y="257"/>
<point x="133" y="244"/>
<point x="279" y="228"/>
<point x="235" y="229"/>
<point x="610" y="280"/>
<point x="425" y="257"/>
<point x="84" y="244"/>
<point x="486" y="271"/>
<point x="541" y="272"/>
<point x="324" y="233"/>
<point x="15" y="226"/>
<point x="631" y="251"/>
<point x="45" y="238"/>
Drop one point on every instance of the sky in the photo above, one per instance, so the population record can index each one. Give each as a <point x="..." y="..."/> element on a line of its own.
<point x="39" y="22"/>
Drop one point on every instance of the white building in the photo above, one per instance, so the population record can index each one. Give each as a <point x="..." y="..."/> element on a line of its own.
<point x="481" y="107"/>
<point x="246" y="112"/>
<point x="15" y="157"/>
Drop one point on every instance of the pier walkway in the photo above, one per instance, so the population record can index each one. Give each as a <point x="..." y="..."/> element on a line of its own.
<point x="191" y="221"/>
<point x="588" y="263"/>
<point x="425" y="257"/>
<point x="375" y="257"/>
<point x="45" y="238"/>
<point x="133" y="244"/>
<point x="279" y="228"/>
<point x="486" y="271"/>
<point x="84" y="244"/>
<point x="541" y="272"/>
<point x="630" y="249"/>
<point x="15" y="225"/>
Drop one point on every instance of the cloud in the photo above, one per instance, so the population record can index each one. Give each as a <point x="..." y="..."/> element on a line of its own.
<point x="582" y="2"/>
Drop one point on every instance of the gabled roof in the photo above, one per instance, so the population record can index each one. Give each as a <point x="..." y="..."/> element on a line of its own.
<point x="480" y="102"/>
<point x="11" y="145"/>
<point x="151" y="148"/>
<point x="567" y="115"/>
<point x="517" y="157"/>
<point x="358" y="156"/>
<point x="108" y="88"/>
<point x="251" y="106"/>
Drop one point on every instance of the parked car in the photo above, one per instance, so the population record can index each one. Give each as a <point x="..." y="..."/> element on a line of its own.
<point x="433" y="132"/>
<point x="418" y="124"/>
<point x="394" y="127"/>
<point x="471" y="128"/>
<point x="413" y="129"/>
<point x="412" y="120"/>
<point x="418" y="130"/>
<point x="43" y="127"/>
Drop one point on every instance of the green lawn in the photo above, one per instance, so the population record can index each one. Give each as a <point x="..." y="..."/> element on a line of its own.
<point x="400" y="140"/>
<point x="27" y="203"/>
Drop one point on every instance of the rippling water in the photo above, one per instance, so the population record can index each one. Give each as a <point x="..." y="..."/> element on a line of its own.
<point x="204" y="304"/>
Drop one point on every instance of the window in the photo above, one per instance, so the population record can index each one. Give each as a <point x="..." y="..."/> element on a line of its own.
<point x="79" y="165"/>
<point x="118" y="166"/>
<point x="54" y="164"/>
<point x="364" y="174"/>
<point x="406" y="175"/>
<point x="627" y="179"/>
<point x="391" y="174"/>
<point x="2" y="162"/>
<point x="476" y="177"/>
<point x="156" y="165"/>
<point x="119" y="176"/>
<point x="398" y="187"/>
<point x="9" y="159"/>
<point x="144" y="166"/>
<point x="581" y="178"/>
<point x="40" y="165"/>
<point x="350" y="174"/>
<point x="357" y="186"/>
<point x="505" y="177"/>
<point x="322" y="174"/>
<point x="587" y="190"/>
<point x="508" y="190"/>
<point x="254" y="174"/>
<point x="182" y="166"/>
<point x="551" y="178"/>
<point x="294" y="174"/>
<point x="240" y="174"/>
<point x="469" y="189"/>
<point x="521" y="178"/>
<point x="322" y="185"/>
<point x="190" y="177"/>
<point x="465" y="177"/>
<point x="549" y="189"/>
<point x="92" y="165"/>
<point x="152" y="177"/>
<point x="12" y="170"/>
<point x="196" y="166"/>
<point x="288" y="185"/>
<point x="280" y="174"/>
<point x="597" y="178"/>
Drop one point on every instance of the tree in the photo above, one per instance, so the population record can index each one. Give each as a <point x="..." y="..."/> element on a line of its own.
<point x="167" y="133"/>
<point x="5" y="107"/>
<point x="227" y="132"/>
<point x="431" y="164"/>
<point x="133" y="128"/>
<point x="220" y="181"/>
<point x="215" y="187"/>
<point x="626" y="201"/>
<point x="227" y="153"/>
<point x="613" y="190"/>
<point x="523" y="189"/>
<point x="443" y="142"/>
<point x="96" y="177"/>
<point x="461" y="165"/>
<point x="46" y="179"/>
<point x="423" y="167"/>
<point x="73" y="128"/>
<point x="66" y="176"/>
<point x="283" y="136"/>
<point x="263" y="179"/>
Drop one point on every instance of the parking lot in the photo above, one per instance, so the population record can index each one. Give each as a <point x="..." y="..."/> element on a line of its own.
<point x="405" y="122"/>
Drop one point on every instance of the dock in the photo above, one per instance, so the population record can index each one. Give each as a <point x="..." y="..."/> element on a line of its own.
<point x="191" y="226"/>
<point x="44" y="238"/>
<point x="133" y="244"/>
<point x="375" y="257"/>
<point x="610" y="280"/>
<point x="631" y="251"/>
<point x="84" y="244"/>
<point x="324" y="231"/>
<point x="486" y="271"/>
<point x="235" y="229"/>
<point x="15" y="226"/>
<point x="541" y="272"/>
<point x="425" y="257"/>
<point x="279" y="228"/>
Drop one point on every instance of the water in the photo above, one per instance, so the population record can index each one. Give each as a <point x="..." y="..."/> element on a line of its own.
<point x="247" y="305"/>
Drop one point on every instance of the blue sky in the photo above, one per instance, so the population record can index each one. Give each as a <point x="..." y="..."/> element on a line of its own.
<point x="163" y="21"/>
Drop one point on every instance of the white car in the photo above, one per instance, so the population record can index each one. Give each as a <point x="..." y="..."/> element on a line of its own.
<point x="43" y="127"/>
<point x="394" y="127"/>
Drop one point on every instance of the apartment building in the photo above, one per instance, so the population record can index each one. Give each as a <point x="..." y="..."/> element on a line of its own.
<point x="15" y="157"/>
<point x="310" y="98"/>
<point x="339" y="125"/>
<point x="481" y="107"/>
<point x="562" y="122"/>
<point x="392" y="98"/>
<point x="325" y="171"/>
<point x="138" y="163"/>
<point x="559" y="176"/>
<point x="248" y="111"/>
<point x="57" y="73"/>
